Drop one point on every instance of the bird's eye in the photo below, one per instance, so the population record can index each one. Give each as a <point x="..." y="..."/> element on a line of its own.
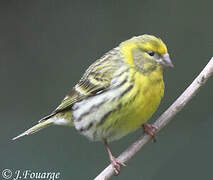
<point x="151" y="53"/>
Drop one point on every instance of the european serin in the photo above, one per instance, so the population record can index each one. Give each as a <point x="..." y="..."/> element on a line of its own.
<point x="117" y="94"/>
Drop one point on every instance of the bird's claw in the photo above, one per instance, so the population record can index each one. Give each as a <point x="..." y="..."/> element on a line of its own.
<point x="116" y="165"/>
<point x="150" y="129"/>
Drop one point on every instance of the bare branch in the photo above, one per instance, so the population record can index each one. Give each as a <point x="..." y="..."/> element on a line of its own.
<point x="163" y="120"/>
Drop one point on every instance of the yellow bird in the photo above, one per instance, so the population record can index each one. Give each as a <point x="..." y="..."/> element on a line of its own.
<point x="117" y="94"/>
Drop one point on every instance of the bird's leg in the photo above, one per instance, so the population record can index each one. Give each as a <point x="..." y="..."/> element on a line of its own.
<point x="115" y="163"/>
<point x="150" y="130"/>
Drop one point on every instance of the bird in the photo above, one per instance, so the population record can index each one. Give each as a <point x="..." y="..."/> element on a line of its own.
<point x="116" y="95"/>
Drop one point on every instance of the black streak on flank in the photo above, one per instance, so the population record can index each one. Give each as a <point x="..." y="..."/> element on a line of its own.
<point x="90" y="110"/>
<point x="108" y="113"/>
<point x="126" y="91"/>
<point x="86" y="128"/>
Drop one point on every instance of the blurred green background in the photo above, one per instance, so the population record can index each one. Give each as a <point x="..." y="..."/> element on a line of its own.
<point x="45" y="46"/>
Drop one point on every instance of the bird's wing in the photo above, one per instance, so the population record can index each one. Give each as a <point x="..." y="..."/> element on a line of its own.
<point x="97" y="78"/>
<point x="86" y="87"/>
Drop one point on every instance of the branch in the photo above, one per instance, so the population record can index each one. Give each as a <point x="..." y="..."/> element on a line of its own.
<point x="163" y="120"/>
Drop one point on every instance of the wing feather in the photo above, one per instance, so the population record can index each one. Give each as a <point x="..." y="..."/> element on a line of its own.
<point x="97" y="78"/>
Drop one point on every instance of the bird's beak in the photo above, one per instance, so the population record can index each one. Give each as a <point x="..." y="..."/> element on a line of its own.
<point x="166" y="61"/>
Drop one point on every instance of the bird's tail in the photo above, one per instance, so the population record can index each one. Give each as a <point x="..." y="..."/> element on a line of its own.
<point x="37" y="127"/>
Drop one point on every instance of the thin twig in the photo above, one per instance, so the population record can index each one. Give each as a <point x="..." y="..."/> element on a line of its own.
<point x="163" y="120"/>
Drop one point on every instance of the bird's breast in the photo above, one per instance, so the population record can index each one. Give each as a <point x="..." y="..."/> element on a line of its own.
<point x="122" y="109"/>
<point x="138" y="105"/>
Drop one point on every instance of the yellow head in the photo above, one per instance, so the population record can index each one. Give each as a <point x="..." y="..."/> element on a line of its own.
<point x="146" y="52"/>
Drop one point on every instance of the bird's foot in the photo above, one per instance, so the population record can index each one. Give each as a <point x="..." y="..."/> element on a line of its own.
<point x="116" y="164"/>
<point x="150" y="130"/>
